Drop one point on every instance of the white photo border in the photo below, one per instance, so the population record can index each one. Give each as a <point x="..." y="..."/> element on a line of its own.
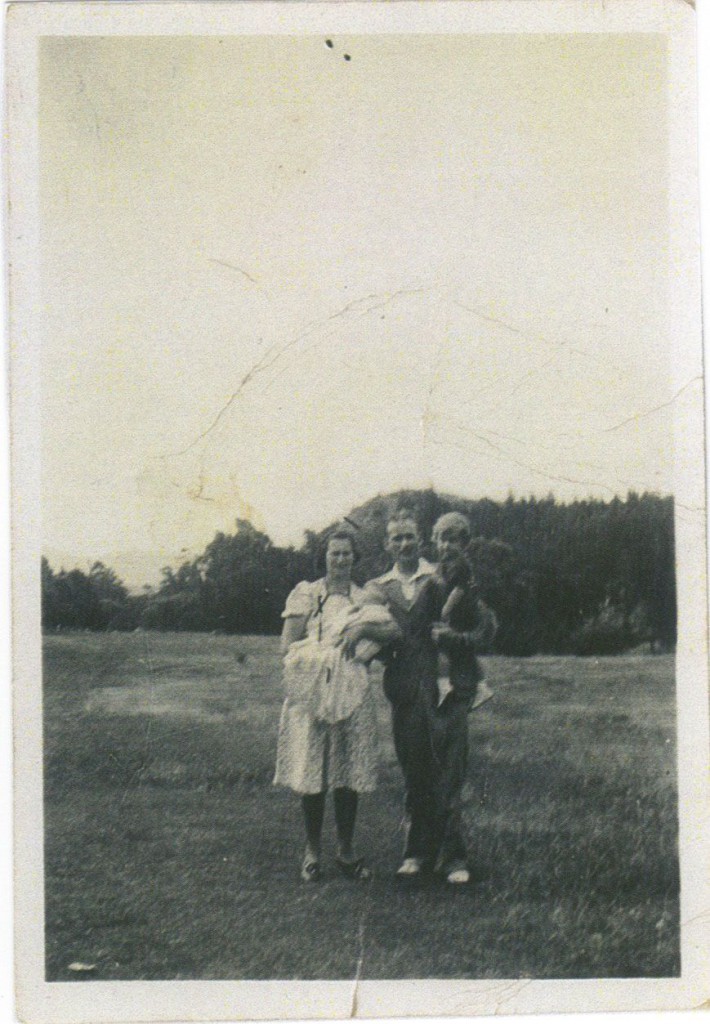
<point x="221" y="1000"/>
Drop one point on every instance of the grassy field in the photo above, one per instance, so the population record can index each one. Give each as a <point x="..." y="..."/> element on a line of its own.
<point x="169" y="855"/>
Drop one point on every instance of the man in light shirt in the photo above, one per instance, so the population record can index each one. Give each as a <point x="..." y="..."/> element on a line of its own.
<point x="410" y="684"/>
<point x="402" y="544"/>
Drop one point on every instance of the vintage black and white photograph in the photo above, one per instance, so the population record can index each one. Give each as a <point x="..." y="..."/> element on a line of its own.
<point x="363" y="388"/>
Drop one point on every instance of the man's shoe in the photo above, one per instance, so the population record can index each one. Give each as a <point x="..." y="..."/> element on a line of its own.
<point x="459" y="876"/>
<point x="409" y="869"/>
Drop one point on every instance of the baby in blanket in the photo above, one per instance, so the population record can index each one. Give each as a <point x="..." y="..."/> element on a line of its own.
<point x="321" y="676"/>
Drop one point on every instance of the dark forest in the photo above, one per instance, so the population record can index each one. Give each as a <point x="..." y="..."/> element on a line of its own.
<point x="589" y="577"/>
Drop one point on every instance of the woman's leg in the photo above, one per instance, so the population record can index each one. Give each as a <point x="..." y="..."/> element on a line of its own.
<point x="345" y="803"/>
<point x="313" y="810"/>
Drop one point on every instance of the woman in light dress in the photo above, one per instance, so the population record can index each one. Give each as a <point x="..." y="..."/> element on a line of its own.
<point x="328" y="728"/>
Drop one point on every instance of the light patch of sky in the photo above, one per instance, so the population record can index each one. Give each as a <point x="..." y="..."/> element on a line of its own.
<point x="440" y="263"/>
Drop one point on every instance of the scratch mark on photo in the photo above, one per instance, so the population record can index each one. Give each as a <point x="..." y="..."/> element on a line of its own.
<point x="656" y="408"/>
<point x="231" y="266"/>
<point x="276" y="352"/>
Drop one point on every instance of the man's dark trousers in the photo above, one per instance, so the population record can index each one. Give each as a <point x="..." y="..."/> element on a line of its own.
<point x="413" y="744"/>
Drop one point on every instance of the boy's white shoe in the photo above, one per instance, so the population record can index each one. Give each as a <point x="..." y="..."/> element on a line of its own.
<point x="483" y="695"/>
<point x="459" y="876"/>
<point x="409" y="868"/>
<point x="445" y="688"/>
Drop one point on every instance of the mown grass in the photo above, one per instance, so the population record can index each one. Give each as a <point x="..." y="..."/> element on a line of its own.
<point x="170" y="855"/>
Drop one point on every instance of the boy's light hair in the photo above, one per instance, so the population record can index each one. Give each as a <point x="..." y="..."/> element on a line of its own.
<point x="452" y="521"/>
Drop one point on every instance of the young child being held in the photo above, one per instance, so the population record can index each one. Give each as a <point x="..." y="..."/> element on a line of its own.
<point x="466" y="621"/>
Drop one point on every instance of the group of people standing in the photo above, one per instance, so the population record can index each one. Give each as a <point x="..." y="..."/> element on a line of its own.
<point x="426" y="624"/>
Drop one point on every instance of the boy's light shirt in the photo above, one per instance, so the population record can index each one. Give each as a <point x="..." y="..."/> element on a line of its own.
<point x="409" y="583"/>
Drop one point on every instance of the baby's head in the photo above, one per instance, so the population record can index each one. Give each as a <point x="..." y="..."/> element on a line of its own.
<point x="373" y="594"/>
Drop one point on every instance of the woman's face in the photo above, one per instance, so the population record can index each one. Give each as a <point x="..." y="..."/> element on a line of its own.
<point x="339" y="558"/>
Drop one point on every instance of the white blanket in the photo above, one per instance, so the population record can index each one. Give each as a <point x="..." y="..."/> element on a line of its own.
<point x="318" y="675"/>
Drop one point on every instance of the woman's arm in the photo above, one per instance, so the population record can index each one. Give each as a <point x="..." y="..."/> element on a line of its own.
<point x="294" y="629"/>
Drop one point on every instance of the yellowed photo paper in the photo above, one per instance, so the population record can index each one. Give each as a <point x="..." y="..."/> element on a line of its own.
<point x="359" y="568"/>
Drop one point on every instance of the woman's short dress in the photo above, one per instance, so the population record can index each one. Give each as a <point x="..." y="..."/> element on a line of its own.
<point x="315" y="755"/>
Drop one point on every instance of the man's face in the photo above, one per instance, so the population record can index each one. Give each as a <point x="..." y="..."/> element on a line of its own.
<point x="450" y="546"/>
<point x="402" y="544"/>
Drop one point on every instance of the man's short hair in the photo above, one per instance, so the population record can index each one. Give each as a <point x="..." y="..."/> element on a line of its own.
<point x="453" y="521"/>
<point x="404" y="515"/>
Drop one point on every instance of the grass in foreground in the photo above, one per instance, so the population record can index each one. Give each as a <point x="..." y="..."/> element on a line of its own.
<point x="169" y="854"/>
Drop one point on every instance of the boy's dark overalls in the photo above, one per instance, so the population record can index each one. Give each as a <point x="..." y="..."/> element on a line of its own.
<point x="431" y="742"/>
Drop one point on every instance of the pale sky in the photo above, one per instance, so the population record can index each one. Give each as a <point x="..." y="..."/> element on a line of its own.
<point x="440" y="263"/>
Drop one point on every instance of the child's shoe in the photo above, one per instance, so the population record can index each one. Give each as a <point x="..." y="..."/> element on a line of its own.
<point x="483" y="694"/>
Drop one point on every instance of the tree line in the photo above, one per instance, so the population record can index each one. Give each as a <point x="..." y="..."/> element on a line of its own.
<point x="588" y="577"/>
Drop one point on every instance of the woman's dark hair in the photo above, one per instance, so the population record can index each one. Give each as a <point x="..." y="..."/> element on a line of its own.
<point x="340" y="532"/>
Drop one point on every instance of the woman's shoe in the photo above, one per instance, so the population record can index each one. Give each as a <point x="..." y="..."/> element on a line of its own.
<point x="355" y="869"/>
<point x="310" y="871"/>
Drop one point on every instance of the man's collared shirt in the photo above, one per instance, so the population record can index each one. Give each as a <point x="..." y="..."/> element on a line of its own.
<point x="410" y="584"/>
